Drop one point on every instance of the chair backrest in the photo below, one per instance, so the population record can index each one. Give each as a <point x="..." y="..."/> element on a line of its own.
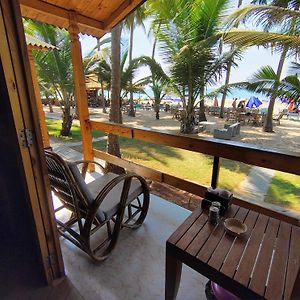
<point x="64" y="185"/>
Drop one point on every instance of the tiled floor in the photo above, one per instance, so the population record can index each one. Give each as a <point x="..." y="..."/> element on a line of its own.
<point x="136" y="268"/>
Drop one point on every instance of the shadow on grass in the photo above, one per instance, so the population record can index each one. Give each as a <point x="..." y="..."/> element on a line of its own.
<point x="54" y="128"/>
<point x="285" y="193"/>
<point x="134" y="149"/>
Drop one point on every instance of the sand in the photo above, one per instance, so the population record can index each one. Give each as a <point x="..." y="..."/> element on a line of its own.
<point x="286" y="136"/>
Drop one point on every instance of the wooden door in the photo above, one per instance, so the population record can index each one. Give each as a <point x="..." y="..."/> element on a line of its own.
<point x="19" y="89"/>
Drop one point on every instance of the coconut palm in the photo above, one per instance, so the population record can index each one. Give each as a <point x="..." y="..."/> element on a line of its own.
<point x="113" y="146"/>
<point x="228" y="73"/>
<point x="281" y="24"/>
<point x="135" y="19"/>
<point x="190" y="44"/>
<point x="159" y="10"/>
<point x="158" y="81"/>
<point x="55" y="67"/>
<point x="96" y="63"/>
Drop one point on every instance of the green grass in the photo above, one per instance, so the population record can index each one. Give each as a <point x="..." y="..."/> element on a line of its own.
<point x="54" y="127"/>
<point x="284" y="190"/>
<point x="181" y="163"/>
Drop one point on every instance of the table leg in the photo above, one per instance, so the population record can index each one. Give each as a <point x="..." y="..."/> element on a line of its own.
<point x="173" y="275"/>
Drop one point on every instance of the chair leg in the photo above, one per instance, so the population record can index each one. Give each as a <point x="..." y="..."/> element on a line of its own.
<point x="137" y="210"/>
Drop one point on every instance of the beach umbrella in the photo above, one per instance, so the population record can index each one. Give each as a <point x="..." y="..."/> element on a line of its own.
<point x="253" y="101"/>
<point x="216" y="104"/>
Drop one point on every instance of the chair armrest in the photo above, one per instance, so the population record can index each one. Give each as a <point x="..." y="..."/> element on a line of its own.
<point x="86" y="164"/>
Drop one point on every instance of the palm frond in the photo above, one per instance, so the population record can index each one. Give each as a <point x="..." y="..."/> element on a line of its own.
<point x="248" y="38"/>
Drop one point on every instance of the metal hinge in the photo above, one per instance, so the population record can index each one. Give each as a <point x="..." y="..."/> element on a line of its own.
<point x="51" y="260"/>
<point x="26" y="137"/>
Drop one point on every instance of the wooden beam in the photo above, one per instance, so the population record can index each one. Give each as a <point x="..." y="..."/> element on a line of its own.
<point x="236" y="151"/>
<point x="126" y="7"/>
<point x="15" y="63"/>
<point x="189" y="186"/>
<point x="152" y="174"/>
<point x="42" y="119"/>
<point x="54" y="12"/>
<point x="80" y="89"/>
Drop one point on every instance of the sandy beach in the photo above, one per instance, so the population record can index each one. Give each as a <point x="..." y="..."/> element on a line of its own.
<point x="286" y="136"/>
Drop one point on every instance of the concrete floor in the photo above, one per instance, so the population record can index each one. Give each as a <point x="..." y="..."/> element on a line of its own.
<point x="136" y="268"/>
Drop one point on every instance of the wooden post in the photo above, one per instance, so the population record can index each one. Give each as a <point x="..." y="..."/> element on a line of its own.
<point x="42" y="119"/>
<point x="80" y="89"/>
<point x="215" y="172"/>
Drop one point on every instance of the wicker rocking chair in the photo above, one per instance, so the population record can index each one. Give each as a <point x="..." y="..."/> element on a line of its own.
<point x="98" y="209"/>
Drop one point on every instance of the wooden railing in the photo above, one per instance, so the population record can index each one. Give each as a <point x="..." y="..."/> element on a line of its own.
<point x="236" y="151"/>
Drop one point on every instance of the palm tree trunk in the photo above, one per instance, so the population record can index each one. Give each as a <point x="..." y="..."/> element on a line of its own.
<point x="131" y="111"/>
<point x="228" y="73"/>
<point x="268" y="126"/>
<point x="113" y="146"/>
<point x="66" y="121"/>
<point x="155" y="40"/>
<point x="49" y="101"/>
<point x="102" y="97"/>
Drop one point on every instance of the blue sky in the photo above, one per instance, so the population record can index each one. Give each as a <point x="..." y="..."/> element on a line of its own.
<point x="252" y="60"/>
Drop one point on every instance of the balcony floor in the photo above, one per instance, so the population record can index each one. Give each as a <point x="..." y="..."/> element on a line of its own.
<point x="136" y="268"/>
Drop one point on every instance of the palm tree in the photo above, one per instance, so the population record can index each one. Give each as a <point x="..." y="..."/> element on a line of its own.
<point x="158" y="81"/>
<point x="55" y="67"/>
<point x="96" y="63"/>
<point x="281" y="15"/>
<point x="228" y="73"/>
<point x="190" y="44"/>
<point x="113" y="146"/>
<point x="158" y="10"/>
<point x="133" y="20"/>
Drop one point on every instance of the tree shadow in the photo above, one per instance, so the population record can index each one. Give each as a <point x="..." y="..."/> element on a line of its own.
<point x="134" y="149"/>
<point x="284" y="193"/>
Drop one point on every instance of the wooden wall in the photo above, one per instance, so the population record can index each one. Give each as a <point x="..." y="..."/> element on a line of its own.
<point x="20" y="267"/>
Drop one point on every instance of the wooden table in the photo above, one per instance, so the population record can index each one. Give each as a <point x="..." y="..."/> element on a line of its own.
<point x="262" y="264"/>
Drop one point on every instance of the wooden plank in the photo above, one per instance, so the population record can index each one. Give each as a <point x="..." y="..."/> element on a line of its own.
<point x="152" y="174"/>
<point x="293" y="267"/>
<point x="42" y="119"/>
<point x="122" y="11"/>
<point x="275" y="285"/>
<point x="180" y="231"/>
<point x="80" y="90"/>
<point x="212" y="241"/>
<point x="219" y="255"/>
<point x="261" y="269"/>
<point x="58" y="16"/>
<point x="232" y="260"/>
<point x="129" y="166"/>
<point x="191" y="232"/>
<point x="247" y="262"/>
<point x="279" y="213"/>
<point x="196" y="145"/>
<point x="237" y="151"/>
<point x="13" y="53"/>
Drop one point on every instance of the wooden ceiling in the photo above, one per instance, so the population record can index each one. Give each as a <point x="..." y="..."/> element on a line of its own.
<point x="95" y="17"/>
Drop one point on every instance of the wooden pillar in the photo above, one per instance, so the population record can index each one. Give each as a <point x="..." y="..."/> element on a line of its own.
<point x="41" y="113"/>
<point x="215" y="172"/>
<point x="80" y="89"/>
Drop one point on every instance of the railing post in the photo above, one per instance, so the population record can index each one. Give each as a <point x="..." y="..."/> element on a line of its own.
<point x="80" y="89"/>
<point x="215" y="172"/>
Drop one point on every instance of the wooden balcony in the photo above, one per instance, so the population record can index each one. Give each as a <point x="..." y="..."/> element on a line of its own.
<point x="236" y="151"/>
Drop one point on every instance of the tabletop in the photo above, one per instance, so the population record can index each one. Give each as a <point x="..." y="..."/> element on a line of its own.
<point x="262" y="264"/>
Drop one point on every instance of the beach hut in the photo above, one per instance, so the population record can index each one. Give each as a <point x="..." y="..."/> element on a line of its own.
<point x="253" y="101"/>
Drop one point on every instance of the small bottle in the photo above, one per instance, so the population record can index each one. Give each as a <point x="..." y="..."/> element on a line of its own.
<point x="216" y="204"/>
<point x="213" y="215"/>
